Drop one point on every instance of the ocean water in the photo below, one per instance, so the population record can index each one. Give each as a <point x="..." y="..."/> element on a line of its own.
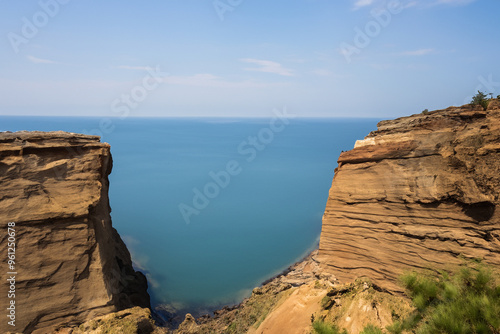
<point x="210" y="208"/>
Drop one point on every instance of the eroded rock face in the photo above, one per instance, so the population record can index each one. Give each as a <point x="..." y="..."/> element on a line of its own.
<point x="303" y="282"/>
<point x="135" y="320"/>
<point x="71" y="263"/>
<point x="420" y="192"/>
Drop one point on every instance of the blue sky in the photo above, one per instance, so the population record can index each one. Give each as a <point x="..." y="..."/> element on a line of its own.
<point x="319" y="58"/>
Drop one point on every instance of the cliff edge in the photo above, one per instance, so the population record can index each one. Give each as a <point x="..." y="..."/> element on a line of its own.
<point x="421" y="192"/>
<point x="70" y="263"/>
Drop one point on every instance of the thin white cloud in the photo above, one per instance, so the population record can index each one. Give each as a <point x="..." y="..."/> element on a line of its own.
<point x="40" y="60"/>
<point x="135" y="68"/>
<point x="267" y="66"/>
<point x="362" y="3"/>
<point x="420" y="52"/>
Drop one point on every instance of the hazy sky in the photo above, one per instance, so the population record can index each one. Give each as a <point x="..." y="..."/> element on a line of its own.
<point x="351" y="58"/>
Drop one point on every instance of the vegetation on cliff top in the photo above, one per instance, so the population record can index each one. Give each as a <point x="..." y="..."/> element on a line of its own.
<point x="482" y="99"/>
<point x="321" y="327"/>
<point x="465" y="302"/>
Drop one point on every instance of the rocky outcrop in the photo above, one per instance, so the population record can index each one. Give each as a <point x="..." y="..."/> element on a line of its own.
<point x="136" y="320"/>
<point x="70" y="262"/>
<point x="270" y="305"/>
<point x="420" y="192"/>
<point x="290" y="302"/>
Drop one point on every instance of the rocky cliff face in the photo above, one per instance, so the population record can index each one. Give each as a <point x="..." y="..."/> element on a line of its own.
<point x="420" y="192"/>
<point x="71" y="264"/>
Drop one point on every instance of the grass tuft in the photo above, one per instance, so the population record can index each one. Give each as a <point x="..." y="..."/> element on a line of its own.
<point x="466" y="302"/>
<point x="321" y="327"/>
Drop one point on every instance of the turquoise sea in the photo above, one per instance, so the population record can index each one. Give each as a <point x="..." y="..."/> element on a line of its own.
<point x="210" y="208"/>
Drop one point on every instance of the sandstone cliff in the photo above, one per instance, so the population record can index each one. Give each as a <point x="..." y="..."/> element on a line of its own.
<point x="71" y="264"/>
<point x="420" y="192"/>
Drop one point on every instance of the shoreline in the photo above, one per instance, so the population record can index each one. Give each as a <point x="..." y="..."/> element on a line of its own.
<point x="298" y="273"/>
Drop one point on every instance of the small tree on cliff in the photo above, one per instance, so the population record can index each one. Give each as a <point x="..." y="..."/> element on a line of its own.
<point x="481" y="99"/>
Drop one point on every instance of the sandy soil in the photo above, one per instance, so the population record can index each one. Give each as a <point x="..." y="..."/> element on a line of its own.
<point x="293" y="316"/>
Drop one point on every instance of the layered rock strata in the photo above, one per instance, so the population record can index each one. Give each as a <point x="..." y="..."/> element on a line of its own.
<point x="71" y="264"/>
<point x="421" y="192"/>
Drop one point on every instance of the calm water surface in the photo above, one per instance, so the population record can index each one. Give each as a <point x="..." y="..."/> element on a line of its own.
<point x="257" y="222"/>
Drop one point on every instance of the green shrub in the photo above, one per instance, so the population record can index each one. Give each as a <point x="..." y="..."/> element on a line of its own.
<point x="498" y="97"/>
<point x="404" y="325"/>
<point x="425" y="111"/>
<point x="327" y="302"/>
<point x="466" y="302"/>
<point x="370" y="329"/>
<point x="480" y="99"/>
<point x="423" y="290"/>
<point x="321" y="327"/>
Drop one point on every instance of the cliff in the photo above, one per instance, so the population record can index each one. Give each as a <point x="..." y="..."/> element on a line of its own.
<point x="70" y="263"/>
<point x="421" y="192"/>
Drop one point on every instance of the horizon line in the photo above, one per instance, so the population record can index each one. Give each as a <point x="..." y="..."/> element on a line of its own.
<point x="197" y="117"/>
